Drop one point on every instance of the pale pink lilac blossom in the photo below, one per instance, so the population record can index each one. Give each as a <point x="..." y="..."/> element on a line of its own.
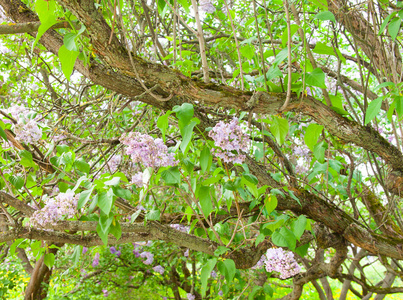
<point x="64" y="204"/>
<point x="146" y="150"/>
<point x="278" y="260"/>
<point x="230" y="140"/>
<point x="205" y="6"/>
<point x="114" y="163"/>
<point x="191" y="296"/>
<point x="137" y="179"/>
<point x="28" y="133"/>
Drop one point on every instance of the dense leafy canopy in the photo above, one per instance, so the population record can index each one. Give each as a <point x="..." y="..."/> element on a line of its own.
<point x="207" y="149"/>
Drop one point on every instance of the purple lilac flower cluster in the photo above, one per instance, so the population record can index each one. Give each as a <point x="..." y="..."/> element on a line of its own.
<point x="114" y="162"/>
<point x="230" y="140"/>
<point x="28" y="133"/>
<point x="149" y="256"/>
<point x="64" y="204"/>
<point x="191" y="296"/>
<point x="16" y="111"/>
<point x="146" y="150"/>
<point x="95" y="261"/>
<point x="114" y="251"/>
<point x="179" y="227"/>
<point x="137" y="179"/>
<point x="205" y="6"/>
<point x="159" y="269"/>
<point x="278" y="260"/>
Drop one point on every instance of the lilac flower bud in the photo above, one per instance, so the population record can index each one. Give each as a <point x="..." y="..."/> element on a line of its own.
<point x="159" y="269"/>
<point x="106" y="294"/>
<point x="190" y="296"/>
<point x="85" y="249"/>
<point x="186" y="254"/>
<point x="230" y="141"/>
<point x="213" y="274"/>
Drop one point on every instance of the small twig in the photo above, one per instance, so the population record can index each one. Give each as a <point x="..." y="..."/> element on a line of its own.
<point x="287" y="100"/>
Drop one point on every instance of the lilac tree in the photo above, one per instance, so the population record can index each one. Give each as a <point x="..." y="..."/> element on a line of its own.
<point x="201" y="149"/>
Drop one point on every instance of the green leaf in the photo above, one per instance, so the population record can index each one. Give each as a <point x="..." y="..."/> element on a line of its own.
<point x="81" y="165"/>
<point x="273" y="72"/>
<point x="312" y="134"/>
<point x="319" y="151"/>
<point x="221" y="250"/>
<point x="184" y="113"/>
<point x="284" y="238"/>
<point x="2" y="132"/>
<point x="251" y="178"/>
<point x="302" y="250"/>
<point x="16" y="181"/>
<point x="67" y="59"/>
<point x="205" y="200"/>
<point x="84" y="197"/>
<point x="270" y="203"/>
<point x="272" y="226"/>
<point x="46" y="14"/>
<point x="283" y="54"/>
<point x="205" y="274"/>
<point x="75" y="257"/>
<point x="122" y="193"/>
<point x="171" y="176"/>
<point x="227" y="268"/>
<point x="325" y="16"/>
<point x="252" y="294"/>
<point x="322" y="48"/>
<point x="105" y="222"/>
<point x="49" y="260"/>
<point x="153" y="214"/>
<point x="394" y="27"/>
<point x="385" y="23"/>
<point x="115" y="229"/>
<point x="162" y="123"/>
<point x="399" y="105"/>
<point x="69" y="40"/>
<point x="26" y="159"/>
<point x="62" y="149"/>
<point x="102" y="235"/>
<point x="284" y="37"/>
<point x="384" y="84"/>
<point x="316" y="78"/>
<point x="247" y="51"/>
<point x="114" y="181"/>
<point x="299" y="226"/>
<point x="279" y="128"/>
<point x="373" y="109"/>
<point x="206" y="159"/>
<point x="105" y="201"/>
<point x="187" y="133"/>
